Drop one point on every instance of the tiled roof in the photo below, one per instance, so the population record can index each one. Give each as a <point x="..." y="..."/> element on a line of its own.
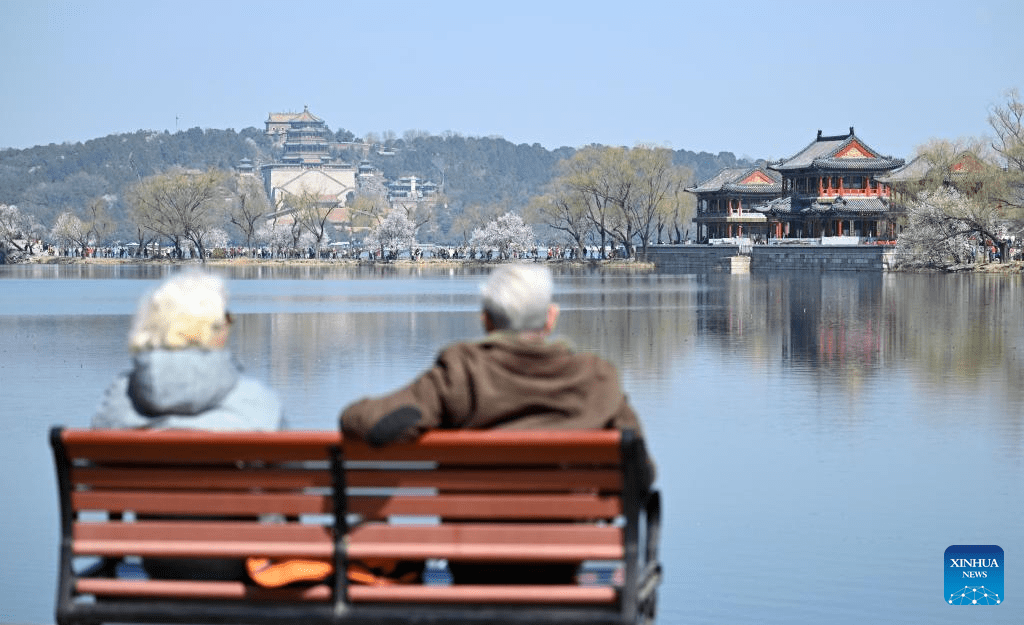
<point x="918" y="169"/>
<point x="778" y="206"/>
<point x="822" y="154"/>
<point x="785" y="206"/>
<point x="849" y="205"/>
<point x="306" y="116"/>
<point x="914" y="170"/>
<point x="284" y="118"/>
<point x="280" y="118"/>
<point x="731" y="179"/>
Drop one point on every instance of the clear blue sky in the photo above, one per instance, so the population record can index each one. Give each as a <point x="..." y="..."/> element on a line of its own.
<point x="754" y="78"/>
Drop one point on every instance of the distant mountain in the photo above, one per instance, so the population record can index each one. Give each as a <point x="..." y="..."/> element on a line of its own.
<point x="47" y="180"/>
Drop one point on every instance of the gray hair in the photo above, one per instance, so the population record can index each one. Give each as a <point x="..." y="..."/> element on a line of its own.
<point x="187" y="310"/>
<point x="518" y="297"/>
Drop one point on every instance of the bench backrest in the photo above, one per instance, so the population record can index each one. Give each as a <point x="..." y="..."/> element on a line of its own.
<point x="540" y="498"/>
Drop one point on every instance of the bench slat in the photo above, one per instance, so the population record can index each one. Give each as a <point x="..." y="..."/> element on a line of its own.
<point x="202" y="549"/>
<point x="498" y="507"/>
<point x="503" y="480"/>
<point x="493" y="542"/>
<point x="200" y="503"/>
<point x="202" y="539"/>
<point x="525" y="594"/>
<point x="199" y="590"/>
<point x="475" y="447"/>
<point x="184" y="447"/>
<point x="208" y="530"/>
<point x="202" y="478"/>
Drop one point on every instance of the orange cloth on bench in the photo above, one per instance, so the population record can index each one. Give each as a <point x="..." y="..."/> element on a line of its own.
<point x="271" y="574"/>
<point x="274" y="574"/>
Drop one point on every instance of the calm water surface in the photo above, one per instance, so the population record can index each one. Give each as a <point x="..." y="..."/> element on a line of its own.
<point x="821" y="438"/>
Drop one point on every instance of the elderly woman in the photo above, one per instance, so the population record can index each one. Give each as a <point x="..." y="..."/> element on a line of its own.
<point x="182" y="376"/>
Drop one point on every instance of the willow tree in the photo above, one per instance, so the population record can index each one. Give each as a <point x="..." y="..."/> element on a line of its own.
<point x="179" y="205"/>
<point x="657" y="192"/>
<point x="582" y="174"/>
<point x="627" y="192"/>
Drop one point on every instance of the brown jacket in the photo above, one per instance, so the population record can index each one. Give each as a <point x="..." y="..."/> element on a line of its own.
<point x="505" y="381"/>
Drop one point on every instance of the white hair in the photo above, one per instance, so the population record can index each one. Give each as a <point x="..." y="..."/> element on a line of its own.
<point x="187" y="310"/>
<point x="518" y="297"/>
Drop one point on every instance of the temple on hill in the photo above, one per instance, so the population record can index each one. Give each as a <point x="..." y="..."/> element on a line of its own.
<point x="833" y="188"/>
<point x="306" y="166"/>
<point x="725" y="203"/>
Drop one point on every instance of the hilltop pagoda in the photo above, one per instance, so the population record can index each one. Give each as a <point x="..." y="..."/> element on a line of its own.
<point x="306" y="166"/>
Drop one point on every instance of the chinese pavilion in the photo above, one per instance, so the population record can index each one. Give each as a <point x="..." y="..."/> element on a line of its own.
<point x="725" y="203"/>
<point x="832" y="188"/>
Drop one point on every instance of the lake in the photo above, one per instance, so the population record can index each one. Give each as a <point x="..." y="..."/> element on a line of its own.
<point x="821" y="438"/>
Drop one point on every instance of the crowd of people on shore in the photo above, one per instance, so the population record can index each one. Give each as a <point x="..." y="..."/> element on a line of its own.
<point x="136" y="252"/>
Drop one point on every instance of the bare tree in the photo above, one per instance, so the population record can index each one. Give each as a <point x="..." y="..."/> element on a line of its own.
<point x="1007" y="121"/>
<point x="564" y="209"/>
<point x="367" y="210"/>
<point x="179" y="205"/>
<point x="312" y="213"/>
<point x="248" y="208"/>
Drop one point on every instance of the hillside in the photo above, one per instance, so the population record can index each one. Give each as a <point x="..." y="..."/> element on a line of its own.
<point x="485" y="171"/>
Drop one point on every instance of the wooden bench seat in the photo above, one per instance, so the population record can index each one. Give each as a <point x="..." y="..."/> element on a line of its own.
<point x="498" y="498"/>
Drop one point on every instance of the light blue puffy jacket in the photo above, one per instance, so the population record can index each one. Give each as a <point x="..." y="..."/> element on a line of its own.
<point x="188" y="389"/>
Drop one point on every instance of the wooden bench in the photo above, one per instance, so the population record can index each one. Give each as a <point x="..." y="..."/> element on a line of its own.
<point x="495" y="497"/>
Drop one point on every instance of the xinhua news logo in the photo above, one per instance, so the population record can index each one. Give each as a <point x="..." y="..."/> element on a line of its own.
<point x="973" y="575"/>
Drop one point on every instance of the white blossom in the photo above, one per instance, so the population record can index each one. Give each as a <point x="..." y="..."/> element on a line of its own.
<point x="508" y="234"/>
<point x="394" y="233"/>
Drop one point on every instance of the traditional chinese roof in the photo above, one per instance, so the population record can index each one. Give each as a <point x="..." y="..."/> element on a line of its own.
<point x="280" y="118"/>
<point x="839" y="152"/>
<point x="859" y="206"/>
<point x="306" y="116"/>
<point x="287" y="118"/>
<point x="919" y="169"/>
<point x="741" y="180"/>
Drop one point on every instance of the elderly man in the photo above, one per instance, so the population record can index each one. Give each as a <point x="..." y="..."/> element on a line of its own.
<point x="513" y="378"/>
